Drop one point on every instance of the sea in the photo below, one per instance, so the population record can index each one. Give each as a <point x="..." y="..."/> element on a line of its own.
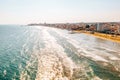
<point x="46" y="53"/>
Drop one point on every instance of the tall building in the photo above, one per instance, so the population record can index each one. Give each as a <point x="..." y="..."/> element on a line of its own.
<point x="98" y="27"/>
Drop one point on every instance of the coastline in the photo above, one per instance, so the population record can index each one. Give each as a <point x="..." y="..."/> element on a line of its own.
<point x="102" y="36"/>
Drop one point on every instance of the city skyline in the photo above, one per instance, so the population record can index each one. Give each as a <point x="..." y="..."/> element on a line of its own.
<point x="58" y="11"/>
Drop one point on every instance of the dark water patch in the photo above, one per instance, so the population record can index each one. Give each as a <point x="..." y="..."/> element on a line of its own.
<point x="12" y="40"/>
<point x="99" y="48"/>
<point x="111" y="52"/>
<point x="103" y="72"/>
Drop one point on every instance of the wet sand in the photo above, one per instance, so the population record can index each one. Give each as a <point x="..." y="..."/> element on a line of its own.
<point x="113" y="38"/>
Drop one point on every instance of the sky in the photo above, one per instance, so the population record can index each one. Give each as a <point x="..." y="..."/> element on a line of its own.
<point x="58" y="11"/>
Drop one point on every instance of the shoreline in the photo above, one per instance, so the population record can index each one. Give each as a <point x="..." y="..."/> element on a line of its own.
<point x="101" y="36"/>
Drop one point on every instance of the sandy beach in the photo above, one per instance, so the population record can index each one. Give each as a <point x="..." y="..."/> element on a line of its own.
<point x="113" y="38"/>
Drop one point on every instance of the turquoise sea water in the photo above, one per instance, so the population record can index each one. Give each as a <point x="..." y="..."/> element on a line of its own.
<point x="43" y="53"/>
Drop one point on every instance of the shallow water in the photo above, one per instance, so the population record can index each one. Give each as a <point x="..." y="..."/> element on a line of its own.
<point x="44" y="53"/>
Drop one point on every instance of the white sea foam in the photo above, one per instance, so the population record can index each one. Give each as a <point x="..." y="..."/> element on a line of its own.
<point x="4" y="72"/>
<point x="78" y="46"/>
<point x="52" y="59"/>
<point x="53" y="62"/>
<point x="95" y="56"/>
<point x="114" y="58"/>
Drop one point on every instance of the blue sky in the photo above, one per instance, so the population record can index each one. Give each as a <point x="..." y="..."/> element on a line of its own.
<point x="57" y="11"/>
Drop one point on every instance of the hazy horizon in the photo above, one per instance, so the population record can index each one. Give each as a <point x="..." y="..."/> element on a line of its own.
<point x="58" y="11"/>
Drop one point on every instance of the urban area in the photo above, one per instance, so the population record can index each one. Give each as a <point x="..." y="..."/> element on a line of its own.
<point x="105" y="30"/>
